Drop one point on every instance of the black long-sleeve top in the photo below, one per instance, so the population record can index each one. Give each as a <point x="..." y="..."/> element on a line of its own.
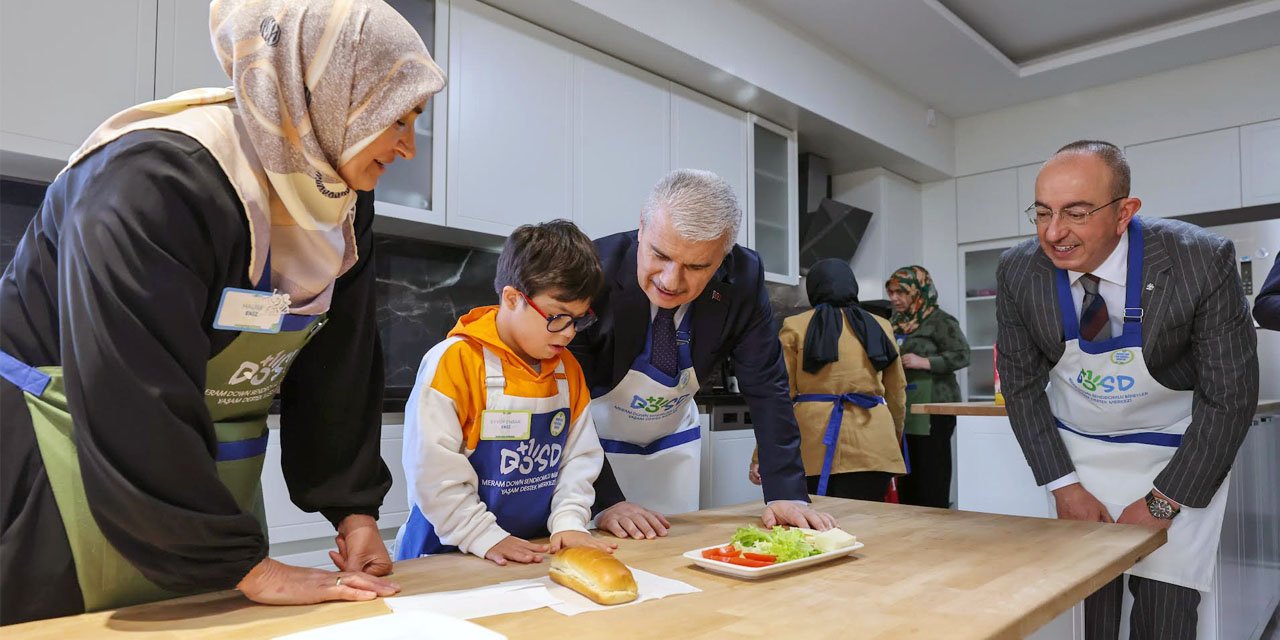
<point x="117" y="280"/>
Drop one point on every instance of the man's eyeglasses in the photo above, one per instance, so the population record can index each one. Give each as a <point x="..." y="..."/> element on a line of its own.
<point x="560" y="322"/>
<point x="1075" y="215"/>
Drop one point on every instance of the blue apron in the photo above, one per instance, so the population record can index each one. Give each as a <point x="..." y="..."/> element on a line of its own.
<point x="832" y="434"/>
<point x="517" y="477"/>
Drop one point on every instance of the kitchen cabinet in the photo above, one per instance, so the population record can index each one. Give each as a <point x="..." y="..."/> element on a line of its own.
<point x="773" y="200"/>
<point x="1026" y="197"/>
<point x="987" y="206"/>
<point x="622" y="142"/>
<point x="1192" y="174"/>
<point x="710" y="135"/>
<point x="728" y="441"/>
<point x="184" y="49"/>
<point x="511" y="121"/>
<point x="1260" y="163"/>
<point x="69" y="65"/>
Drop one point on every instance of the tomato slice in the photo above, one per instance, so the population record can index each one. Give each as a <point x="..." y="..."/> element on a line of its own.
<point x="714" y="554"/>
<point x="729" y="550"/>
<point x="762" y="557"/>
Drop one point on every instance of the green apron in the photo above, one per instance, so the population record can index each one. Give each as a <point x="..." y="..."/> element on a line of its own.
<point x="919" y="391"/>
<point x="240" y="384"/>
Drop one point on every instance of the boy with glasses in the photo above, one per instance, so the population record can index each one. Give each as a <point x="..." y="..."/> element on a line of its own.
<point x="499" y="447"/>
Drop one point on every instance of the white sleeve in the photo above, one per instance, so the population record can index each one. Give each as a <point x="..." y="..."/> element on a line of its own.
<point x="575" y="491"/>
<point x="442" y="482"/>
<point x="1069" y="479"/>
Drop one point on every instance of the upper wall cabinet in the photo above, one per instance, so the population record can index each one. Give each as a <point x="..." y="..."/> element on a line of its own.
<point x="1026" y="197"/>
<point x="706" y="134"/>
<point x="69" y="65"/>
<point x="1260" y="163"/>
<point x="510" y="121"/>
<point x="1192" y="174"/>
<point x="184" y="49"/>
<point x="774" y="201"/>
<point x="623" y="147"/>
<point x="987" y="206"/>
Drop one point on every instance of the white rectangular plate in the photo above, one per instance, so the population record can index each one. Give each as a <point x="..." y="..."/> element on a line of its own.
<point x="752" y="573"/>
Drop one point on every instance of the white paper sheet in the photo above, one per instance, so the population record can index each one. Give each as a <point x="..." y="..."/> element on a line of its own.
<point x="650" y="586"/>
<point x="506" y="597"/>
<point x="416" y="625"/>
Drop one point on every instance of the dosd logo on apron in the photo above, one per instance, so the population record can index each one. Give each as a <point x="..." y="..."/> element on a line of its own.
<point x="1121" y="427"/>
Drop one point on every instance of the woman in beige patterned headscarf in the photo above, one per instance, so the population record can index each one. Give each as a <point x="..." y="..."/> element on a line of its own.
<point x="186" y="257"/>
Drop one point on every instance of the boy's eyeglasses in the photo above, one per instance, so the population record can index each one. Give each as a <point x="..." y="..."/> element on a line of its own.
<point x="1042" y="215"/>
<point x="560" y="322"/>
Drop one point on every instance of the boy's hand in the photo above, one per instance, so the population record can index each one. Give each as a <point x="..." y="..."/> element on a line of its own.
<point x="569" y="539"/>
<point x="516" y="550"/>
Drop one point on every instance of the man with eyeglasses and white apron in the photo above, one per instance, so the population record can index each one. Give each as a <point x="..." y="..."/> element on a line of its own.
<point x="1129" y="365"/>
<point x="680" y="297"/>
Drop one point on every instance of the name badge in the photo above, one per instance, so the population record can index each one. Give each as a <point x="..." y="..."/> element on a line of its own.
<point x="248" y="310"/>
<point x="505" y="425"/>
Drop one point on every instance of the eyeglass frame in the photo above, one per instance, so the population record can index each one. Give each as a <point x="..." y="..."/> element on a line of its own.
<point x="589" y="317"/>
<point x="1035" y="218"/>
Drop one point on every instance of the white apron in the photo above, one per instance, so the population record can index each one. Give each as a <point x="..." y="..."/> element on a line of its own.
<point x="648" y="427"/>
<point x="1121" y="427"/>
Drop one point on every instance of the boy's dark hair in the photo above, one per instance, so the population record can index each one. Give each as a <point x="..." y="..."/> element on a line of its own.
<point x="552" y="257"/>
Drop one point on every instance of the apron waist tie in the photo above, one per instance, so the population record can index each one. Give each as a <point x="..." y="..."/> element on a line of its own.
<point x="1149" y="437"/>
<point x="832" y="432"/>
<point x="241" y="449"/>
<point x="23" y="375"/>
<point x="665" y="442"/>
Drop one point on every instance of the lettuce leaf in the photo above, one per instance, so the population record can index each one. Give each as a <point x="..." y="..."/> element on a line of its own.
<point x="785" y="544"/>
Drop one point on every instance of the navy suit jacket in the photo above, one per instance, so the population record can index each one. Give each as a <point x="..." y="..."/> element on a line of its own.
<point x="1266" y="306"/>
<point x="731" y="316"/>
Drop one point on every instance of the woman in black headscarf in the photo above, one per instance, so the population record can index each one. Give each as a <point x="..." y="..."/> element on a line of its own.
<point x="848" y="387"/>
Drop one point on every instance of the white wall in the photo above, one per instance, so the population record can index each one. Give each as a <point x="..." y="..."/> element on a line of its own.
<point x="892" y="239"/>
<point x="938" y="240"/>
<point x="1222" y="93"/>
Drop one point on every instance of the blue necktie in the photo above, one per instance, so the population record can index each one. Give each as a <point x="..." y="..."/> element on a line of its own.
<point x="663" y="354"/>
<point x="1095" y="322"/>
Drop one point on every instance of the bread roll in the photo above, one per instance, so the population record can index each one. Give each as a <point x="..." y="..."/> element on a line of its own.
<point x="595" y="574"/>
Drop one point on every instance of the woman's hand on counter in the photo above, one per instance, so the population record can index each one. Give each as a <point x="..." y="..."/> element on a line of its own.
<point x="360" y="547"/>
<point x="913" y="361"/>
<point x="1074" y="502"/>
<point x="272" y="582"/>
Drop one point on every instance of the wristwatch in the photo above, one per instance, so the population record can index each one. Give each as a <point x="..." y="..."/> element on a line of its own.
<point x="1160" y="508"/>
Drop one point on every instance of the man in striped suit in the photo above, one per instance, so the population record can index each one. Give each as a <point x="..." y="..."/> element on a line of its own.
<point x="1129" y="364"/>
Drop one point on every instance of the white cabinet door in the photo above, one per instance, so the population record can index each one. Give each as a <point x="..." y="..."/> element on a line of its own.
<point x="1026" y="197"/>
<point x="510" y="121"/>
<point x="773" y="207"/>
<point x="1191" y="174"/>
<point x="709" y="135"/>
<point x="184" y="49"/>
<point x="731" y="456"/>
<point x="987" y="206"/>
<point x="1260" y="163"/>
<point x="623" y="120"/>
<point x="69" y="65"/>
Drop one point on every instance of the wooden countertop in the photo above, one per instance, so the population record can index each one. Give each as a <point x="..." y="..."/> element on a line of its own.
<point x="924" y="573"/>
<point x="1265" y="408"/>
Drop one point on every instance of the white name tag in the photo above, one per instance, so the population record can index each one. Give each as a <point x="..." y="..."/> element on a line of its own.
<point x="505" y="425"/>
<point x="247" y="310"/>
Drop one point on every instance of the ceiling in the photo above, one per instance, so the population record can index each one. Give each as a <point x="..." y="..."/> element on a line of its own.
<point x="964" y="57"/>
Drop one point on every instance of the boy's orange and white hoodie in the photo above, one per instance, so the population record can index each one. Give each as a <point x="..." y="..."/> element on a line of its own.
<point x="443" y="423"/>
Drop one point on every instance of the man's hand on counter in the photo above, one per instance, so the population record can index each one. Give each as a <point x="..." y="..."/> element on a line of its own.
<point x="797" y="514"/>
<point x="360" y="547"/>
<point x="630" y="520"/>
<point x="272" y="582"/>
<point x="1074" y="502"/>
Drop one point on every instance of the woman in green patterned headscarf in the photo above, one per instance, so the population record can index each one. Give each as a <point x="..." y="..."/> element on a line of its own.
<point x="933" y="348"/>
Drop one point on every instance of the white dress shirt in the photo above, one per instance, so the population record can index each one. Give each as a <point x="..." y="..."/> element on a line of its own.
<point x="1112" y="274"/>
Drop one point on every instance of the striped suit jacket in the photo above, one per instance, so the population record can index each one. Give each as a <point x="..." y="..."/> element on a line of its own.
<point x="1197" y="335"/>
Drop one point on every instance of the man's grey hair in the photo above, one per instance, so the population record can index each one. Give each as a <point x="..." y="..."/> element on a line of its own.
<point x="1111" y="155"/>
<point x="700" y="205"/>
